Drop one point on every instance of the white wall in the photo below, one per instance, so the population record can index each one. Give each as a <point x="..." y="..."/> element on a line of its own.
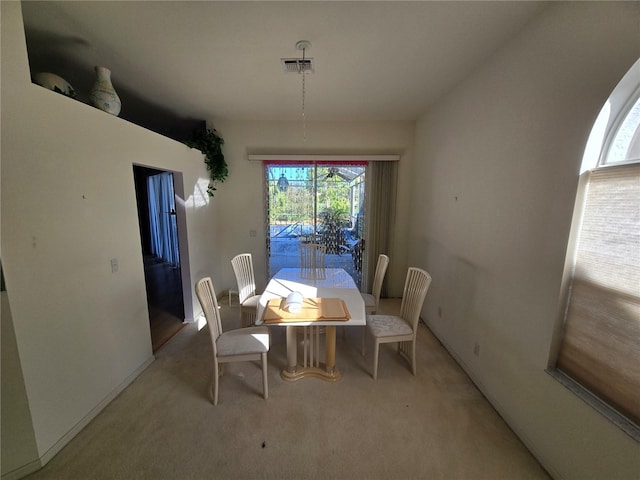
<point x="68" y="208"/>
<point x="494" y="180"/>
<point x="18" y="439"/>
<point x="240" y="201"/>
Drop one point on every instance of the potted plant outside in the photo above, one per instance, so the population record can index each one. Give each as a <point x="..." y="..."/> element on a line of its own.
<point x="334" y="220"/>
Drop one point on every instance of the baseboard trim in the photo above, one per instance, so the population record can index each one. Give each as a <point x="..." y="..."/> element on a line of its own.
<point x="66" y="438"/>
<point x="494" y="403"/>
<point x="23" y="471"/>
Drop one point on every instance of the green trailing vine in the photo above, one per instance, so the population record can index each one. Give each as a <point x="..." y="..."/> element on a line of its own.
<point x="210" y="144"/>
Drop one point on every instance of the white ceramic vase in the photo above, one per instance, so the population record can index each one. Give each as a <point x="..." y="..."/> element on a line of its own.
<point x="55" y="83"/>
<point x="103" y="95"/>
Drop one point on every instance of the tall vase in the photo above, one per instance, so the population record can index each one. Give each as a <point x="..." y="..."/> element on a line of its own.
<point x="103" y="95"/>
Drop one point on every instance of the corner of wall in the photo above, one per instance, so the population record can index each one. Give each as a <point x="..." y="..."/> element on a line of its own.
<point x="19" y="452"/>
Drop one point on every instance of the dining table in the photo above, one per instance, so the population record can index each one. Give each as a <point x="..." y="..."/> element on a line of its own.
<point x="331" y="299"/>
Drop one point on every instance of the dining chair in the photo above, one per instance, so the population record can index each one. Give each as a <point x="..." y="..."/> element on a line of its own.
<point x="312" y="256"/>
<point x="243" y="268"/>
<point x="403" y="328"/>
<point x="241" y="345"/>
<point x="372" y="300"/>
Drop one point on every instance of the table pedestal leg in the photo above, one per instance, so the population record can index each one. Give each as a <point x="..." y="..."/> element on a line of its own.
<point x="311" y="367"/>
<point x="330" y="349"/>
<point x="292" y="350"/>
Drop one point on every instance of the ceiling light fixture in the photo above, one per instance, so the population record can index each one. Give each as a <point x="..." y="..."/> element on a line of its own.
<point x="304" y="66"/>
<point x="283" y="183"/>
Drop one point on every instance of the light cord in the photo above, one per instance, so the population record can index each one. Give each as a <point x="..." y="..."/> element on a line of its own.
<point x="304" y="93"/>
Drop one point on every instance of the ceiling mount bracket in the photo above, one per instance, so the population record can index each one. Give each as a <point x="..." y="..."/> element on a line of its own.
<point x="303" y="45"/>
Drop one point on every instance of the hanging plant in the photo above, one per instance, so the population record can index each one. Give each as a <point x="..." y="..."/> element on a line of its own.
<point x="210" y="144"/>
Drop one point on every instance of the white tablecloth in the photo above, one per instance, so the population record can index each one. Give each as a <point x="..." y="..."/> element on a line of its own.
<point x="328" y="283"/>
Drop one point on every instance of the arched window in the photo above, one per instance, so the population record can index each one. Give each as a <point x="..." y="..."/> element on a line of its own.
<point x="624" y="146"/>
<point x="599" y="348"/>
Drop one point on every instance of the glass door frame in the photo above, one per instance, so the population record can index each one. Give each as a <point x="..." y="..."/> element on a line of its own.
<point x="345" y="232"/>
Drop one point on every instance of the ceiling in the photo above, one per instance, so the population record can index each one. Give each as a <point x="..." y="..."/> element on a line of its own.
<point x="381" y="60"/>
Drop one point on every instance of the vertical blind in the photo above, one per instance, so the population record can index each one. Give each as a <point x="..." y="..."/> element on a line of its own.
<point x="601" y="343"/>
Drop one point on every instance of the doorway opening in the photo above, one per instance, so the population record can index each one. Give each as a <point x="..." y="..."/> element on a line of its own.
<point x="157" y="218"/>
<point x="316" y="202"/>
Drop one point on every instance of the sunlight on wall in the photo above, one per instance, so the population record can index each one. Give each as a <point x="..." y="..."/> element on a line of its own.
<point x="201" y="321"/>
<point x="199" y="197"/>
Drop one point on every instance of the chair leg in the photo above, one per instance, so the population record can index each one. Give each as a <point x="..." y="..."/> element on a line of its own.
<point x="376" y="348"/>
<point x="364" y="340"/>
<point x="215" y="385"/>
<point x="413" y="356"/>
<point x="265" y="385"/>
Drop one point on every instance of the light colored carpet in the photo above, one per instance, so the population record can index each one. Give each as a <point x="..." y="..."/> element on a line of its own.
<point x="435" y="425"/>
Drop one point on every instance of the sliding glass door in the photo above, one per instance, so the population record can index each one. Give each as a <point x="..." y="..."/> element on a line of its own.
<point x="316" y="203"/>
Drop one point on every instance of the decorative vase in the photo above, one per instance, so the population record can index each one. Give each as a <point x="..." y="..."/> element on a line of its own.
<point x="103" y="95"/>
<point x="55" y="83"/>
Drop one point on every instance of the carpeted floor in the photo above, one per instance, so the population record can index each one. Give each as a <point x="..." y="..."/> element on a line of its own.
<point x="435" y="425"/>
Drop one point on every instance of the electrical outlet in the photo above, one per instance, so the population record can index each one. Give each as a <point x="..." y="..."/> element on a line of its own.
<point x="252" y="233"/>
<point x="476" y="349"/>
<point x="114" y="265"/>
